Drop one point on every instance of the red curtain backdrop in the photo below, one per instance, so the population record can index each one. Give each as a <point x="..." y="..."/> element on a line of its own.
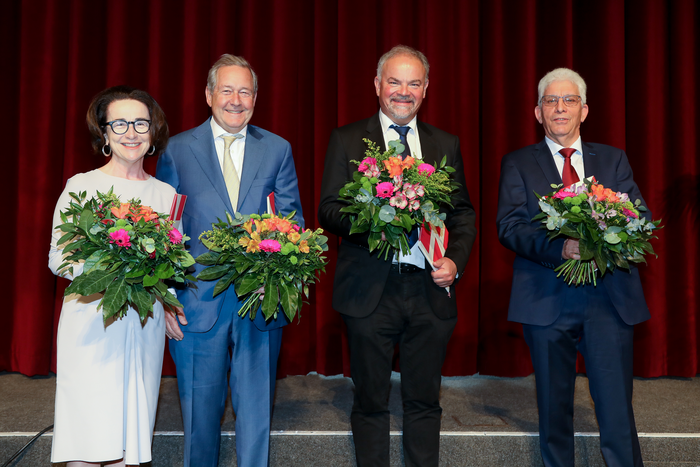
<point x="317" y="61"/>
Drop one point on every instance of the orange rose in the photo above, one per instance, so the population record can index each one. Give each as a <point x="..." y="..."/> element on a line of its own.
<point x="394" y="165"/>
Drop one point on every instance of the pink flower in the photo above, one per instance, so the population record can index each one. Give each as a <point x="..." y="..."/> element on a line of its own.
<point x="414" y="205"/>
<point x="409" y="190"/>
<point x="420" y="190"/>
<point x="385" y="189"/>
<point x="561" y="194"/>
<point x="366" y="163"/>
<point x="398" y="201"/>
<point x="271" y="246"/>
<point x="629" y="213"/>
<point x="120" y="237"/>
<point x="295" y="227"/>
<point x="175" y="236"/>
<point x="426" y="169"/>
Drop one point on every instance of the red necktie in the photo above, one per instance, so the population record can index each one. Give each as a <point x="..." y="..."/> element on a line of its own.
<point x="568" y="175"/>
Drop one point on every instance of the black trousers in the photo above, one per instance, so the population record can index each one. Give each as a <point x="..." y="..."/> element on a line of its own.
<point x="403" y="317"/>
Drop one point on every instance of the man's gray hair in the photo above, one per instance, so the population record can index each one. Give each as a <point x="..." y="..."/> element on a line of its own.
<point x="403" y="50"/>
<point x="229" y="60"/>
<point x="562" y="74"/>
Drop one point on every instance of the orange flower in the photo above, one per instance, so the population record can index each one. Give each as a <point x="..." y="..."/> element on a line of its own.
<point x="601" y="193"/>
<point x="259" y="226"/>
<point x="251" y="243"/>
<point x="293" y="236"/>
<point x="394" y="165"/>
<point x="122" y="211"/>
<point x="145" y="213"/>
<point x="303" y="246"/>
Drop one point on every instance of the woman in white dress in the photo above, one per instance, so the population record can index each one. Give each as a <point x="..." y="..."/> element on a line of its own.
<point x="108" y="374"/>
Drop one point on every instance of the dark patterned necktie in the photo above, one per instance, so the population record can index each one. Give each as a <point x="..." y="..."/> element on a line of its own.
<point x="568" y="175"/>
<point x="403" y="131"/>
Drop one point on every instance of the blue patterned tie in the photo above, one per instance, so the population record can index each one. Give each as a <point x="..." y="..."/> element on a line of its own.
<point x="403" y="131"/>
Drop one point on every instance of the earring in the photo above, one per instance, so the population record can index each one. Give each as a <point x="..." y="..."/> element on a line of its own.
<point x="153" y="150"/>
<point x="106" y="154"/>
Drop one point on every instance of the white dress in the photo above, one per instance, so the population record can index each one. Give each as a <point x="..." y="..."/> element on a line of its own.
<point x="108" y="375"/>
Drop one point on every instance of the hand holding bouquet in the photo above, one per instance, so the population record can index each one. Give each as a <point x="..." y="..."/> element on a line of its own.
<point x="128" y="251"/>
<point x="252" y="251"/>
<point x="611" y="232"/>
<point x="392" y="195"/>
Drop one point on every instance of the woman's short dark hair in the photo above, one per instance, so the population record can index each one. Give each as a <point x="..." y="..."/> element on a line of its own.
<point x="97" y="116"/>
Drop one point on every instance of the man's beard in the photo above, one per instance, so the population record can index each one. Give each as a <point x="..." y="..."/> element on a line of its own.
<point x="401" y="113"/>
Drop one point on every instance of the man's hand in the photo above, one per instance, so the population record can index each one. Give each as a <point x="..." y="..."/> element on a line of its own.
<point x="172" y="326"/>
<point x="570" y="249"/>
<point x="446" y="272"/>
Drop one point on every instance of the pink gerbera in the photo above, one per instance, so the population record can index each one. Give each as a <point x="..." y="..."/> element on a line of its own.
<point x="120" y="237"/>
<point x="385" y="189"/>
<point x="271" y="246"/>
<point x="175" y="236"/>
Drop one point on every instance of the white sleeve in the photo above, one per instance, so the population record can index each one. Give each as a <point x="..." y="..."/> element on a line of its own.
<point x="56" y="250"/>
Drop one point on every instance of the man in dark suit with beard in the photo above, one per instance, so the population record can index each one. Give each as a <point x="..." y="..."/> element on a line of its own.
<point x="559" y="320"/>
<point x="387" y="302"/>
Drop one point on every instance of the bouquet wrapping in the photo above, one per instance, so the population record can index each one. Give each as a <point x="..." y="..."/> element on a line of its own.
<point x="268" y="252"/>
<point x="392" y="195"/>
<point x="611" y="231"/>
<point x="127" y="251"/>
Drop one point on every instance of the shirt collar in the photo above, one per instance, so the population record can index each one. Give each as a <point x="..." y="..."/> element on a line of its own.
<point x="386" y="122"/>
<point x="555" y="147"/>
<point x="218" y="132"/>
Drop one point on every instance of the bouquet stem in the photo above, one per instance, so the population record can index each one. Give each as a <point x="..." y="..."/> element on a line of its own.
<point x="578" y="272"/>
<point x="251" y="304"/>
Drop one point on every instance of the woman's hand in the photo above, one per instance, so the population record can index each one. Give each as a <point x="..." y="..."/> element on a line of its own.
<point x="174" y="316"/>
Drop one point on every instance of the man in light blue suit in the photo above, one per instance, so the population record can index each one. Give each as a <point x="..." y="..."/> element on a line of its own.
<point x="214" y="339"/>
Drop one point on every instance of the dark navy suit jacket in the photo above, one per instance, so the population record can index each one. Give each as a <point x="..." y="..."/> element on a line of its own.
<point x="537" y="291"/>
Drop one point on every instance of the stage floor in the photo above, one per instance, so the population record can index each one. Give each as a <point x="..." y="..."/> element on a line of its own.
<point x="499" y="413"/>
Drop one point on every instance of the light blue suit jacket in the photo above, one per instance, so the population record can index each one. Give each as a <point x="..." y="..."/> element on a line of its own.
<point x="191" y="166"/>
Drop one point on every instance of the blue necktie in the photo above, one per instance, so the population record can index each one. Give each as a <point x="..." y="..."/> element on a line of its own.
<point x="403" y="131"/>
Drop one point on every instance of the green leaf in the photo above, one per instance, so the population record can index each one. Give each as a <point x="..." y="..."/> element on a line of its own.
<point x="213" y="272"/>
<point x="248" y="284"/>
<point x="271" y="299"/>
<point x="86" y="219"/>
<point x="225" y="282"/>
<point x="208" y="259"/>
<point x="164" y="271"/>
<point x="289" y="299"/>
<point x="93" y="282"/>
<point x="149" y="281"/>
<point x="115" y="296"/>
<point x="141" y="301"/>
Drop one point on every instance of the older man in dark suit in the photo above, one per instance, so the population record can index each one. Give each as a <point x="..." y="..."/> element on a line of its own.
<point x="559" y="320"/>
<point x="389" y="302"/>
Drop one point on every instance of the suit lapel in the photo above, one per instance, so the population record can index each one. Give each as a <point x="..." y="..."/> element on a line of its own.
<point x="374" y="131"/>
<point x="254" y="154"/>
<point x="591" y="162"/>
<point x="204" y="151"/>
<point x="428" y="146"/>
<point x="545" y="160"/>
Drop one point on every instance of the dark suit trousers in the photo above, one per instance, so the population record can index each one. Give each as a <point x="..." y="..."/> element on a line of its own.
<point x="402" y="317"/>
<point x="588" y="323"/>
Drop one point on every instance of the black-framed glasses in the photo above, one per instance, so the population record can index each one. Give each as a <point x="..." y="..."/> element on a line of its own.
<point x="119" y="127"/>
<point x="570" y="100"/>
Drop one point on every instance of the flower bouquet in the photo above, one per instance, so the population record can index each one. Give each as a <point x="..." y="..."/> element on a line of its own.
<point x="128" y="251"/>
<point x="611" y="232"/>
<point x="266" y="252"/>
<point x="391" y="195"/>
